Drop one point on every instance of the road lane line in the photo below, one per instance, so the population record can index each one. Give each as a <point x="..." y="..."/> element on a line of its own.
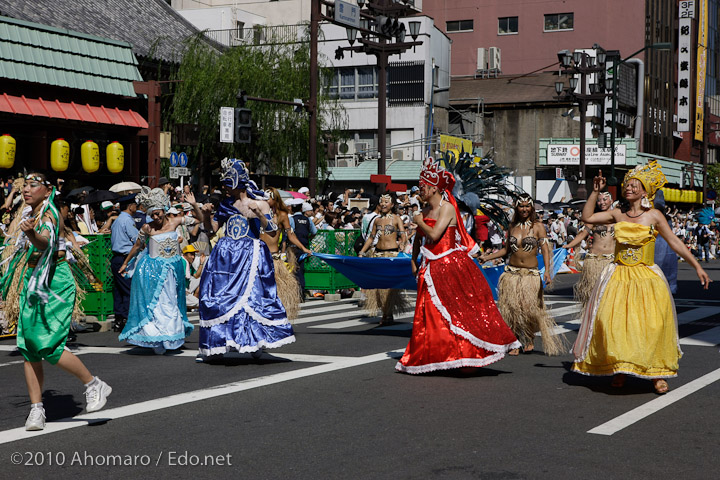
<point x="639" y="413"/>
<point x="102" y="416"/>
<point x="357" y="323"/>
<point x="696" y="314"/>
<point x="706" y="338"/>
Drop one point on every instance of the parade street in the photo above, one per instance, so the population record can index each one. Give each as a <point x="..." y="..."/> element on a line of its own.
<point x="331" y="406"/>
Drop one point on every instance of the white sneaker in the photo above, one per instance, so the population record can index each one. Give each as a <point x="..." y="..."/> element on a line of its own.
<point x="96" y="396"/>
<point x="36" y="419"/>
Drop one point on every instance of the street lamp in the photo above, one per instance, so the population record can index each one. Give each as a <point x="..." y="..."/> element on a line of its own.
<point x="582" y="64"/>
<point x="379" y="25"/>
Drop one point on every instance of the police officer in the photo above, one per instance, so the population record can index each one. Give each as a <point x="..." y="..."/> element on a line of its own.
<point x="303" y="226"/>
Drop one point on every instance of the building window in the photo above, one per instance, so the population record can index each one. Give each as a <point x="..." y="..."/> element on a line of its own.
<point x="460" y="26"/>
<point x="352" y="83"/>
<point x="559" y="21"/>
<point x="507" y="25"/>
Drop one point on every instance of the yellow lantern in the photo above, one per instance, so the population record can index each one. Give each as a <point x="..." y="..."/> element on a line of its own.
<point x="7" y="151"/>
<point x="90" y="155"/>
<point x="115" y="157"/>
<point x="59" y="155"/>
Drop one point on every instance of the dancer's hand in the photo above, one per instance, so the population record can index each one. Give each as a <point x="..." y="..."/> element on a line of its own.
<point x="704" y="279"/>
<point x="414" y="269"/>
<point x="28" y="227"/>
<point x="547" y="277"/>
<point x="122" y="269"/>
<point x="599" y="182"/>
<point x="190" y="198"/>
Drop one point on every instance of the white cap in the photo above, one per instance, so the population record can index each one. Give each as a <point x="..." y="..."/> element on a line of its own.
<point x="304" y="190"/>
<point x="106" y="204"/>
<point x="306" y="207"/>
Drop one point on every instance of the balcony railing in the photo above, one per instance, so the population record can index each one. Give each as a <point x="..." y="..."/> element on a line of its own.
<point x="258" y="35"/>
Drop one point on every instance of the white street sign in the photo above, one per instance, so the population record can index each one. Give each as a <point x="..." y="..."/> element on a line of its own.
<point x="227" y="124"/>
<point x="594" y="155"/>
<point x="347" y="13"/>
<point x="177" y="172"/>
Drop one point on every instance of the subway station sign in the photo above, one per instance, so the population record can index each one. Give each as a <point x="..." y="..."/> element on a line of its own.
<point x="594" y="155"/>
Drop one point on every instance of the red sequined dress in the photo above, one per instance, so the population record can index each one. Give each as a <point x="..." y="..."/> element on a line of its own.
<point x="457" y="323"/>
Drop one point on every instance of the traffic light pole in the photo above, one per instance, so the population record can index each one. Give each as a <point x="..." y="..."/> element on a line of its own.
<point x="313" y="101"/>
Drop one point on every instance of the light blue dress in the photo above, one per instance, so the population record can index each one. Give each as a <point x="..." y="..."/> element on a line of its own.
<point x="158" y="314"/>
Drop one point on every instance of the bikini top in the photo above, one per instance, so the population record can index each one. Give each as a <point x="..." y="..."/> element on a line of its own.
<point x="384" y="230"/>
<point x="528" y="244"/>
<point x="604" y="230"/>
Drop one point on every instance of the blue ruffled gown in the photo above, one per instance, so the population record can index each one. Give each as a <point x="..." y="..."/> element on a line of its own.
<point x="158" y="315"/>
<point x="239" y="305"/>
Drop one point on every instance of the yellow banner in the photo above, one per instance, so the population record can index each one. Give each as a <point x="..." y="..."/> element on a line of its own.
<point x="701" y="70"/>
<point x="448" y="142"/>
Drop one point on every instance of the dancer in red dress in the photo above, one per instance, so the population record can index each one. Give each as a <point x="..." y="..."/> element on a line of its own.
<point x="456" y="321"/>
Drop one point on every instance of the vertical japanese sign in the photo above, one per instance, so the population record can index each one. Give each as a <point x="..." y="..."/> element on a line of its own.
<point x="686" y="13"/>
<point x="701" y="69"/>
<point x="227" y="124"/>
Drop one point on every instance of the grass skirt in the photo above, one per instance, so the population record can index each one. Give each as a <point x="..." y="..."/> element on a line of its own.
<point x="592" y="268"/>
<point x="520" y="300"/>
<point x="287" y="287"/>
<point x="387" y="301"/>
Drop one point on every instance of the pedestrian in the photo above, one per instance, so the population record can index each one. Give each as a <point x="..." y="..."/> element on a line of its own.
<point x="702" y="232"/>
<point x="239" y="306"/>
<point x="520" y="290"/>
<point x="304" y="228"/>
<point x="192" y="275"/>
<point x="456" y="322"/>
<point x="39" y="291"/>
<point x="123" y="235"/>
<point x="600" y="254"/>
<point x="158" y="314"/>
<point x="629" y="326"/>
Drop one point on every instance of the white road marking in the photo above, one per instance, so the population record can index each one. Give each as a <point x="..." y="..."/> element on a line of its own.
<point x="358" y="323"/>
<point x="16" y="434"/>
<point x="639" y="413"/>
<point x="562" y="311"/>
<point x="706" y="338"/>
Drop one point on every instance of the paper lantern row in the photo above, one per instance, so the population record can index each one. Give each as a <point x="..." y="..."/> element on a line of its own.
<point x="60" y="155"/>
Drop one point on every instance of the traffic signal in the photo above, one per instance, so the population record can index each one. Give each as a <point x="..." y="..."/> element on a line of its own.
<point x="243" y="125"/>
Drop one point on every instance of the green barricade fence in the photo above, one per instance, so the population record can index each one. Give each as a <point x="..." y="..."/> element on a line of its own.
<point x="99" y="252"/>
<point x="318" y="274"/>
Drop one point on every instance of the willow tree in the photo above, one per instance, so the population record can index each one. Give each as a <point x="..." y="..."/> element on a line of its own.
<point x="208" y="79"/>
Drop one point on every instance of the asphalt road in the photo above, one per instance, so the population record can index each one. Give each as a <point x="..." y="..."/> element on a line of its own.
<point x="331" y="406"/>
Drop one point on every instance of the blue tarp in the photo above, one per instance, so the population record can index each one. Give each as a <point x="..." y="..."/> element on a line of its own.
<point x="389" y="272"/>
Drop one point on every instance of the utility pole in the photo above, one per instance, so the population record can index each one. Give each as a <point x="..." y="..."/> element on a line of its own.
<point x="313" y="101"/>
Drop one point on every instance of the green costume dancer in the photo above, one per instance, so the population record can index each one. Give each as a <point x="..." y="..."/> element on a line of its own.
<point x="39" y="290"/>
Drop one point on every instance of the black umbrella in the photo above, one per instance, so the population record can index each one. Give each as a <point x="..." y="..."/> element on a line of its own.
<point x="101" y="196"/>
<point x="79" y="191"/>
<point x="577" y="201"/>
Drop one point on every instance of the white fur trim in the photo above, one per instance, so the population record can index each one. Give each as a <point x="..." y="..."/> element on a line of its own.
<point x="231" y="346"/>
<point x="457" y="330"/>
<point x="463" y="362"/>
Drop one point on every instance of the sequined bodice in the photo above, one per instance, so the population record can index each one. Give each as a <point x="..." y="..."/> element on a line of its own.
<point x="635" y="243"/>
<point x="164" y="245"/>
<point x="238" y="226"/>
<point x="448" y="241"/>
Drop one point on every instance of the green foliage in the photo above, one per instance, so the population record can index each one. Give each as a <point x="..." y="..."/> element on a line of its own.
<point x="713" y="174"/>
<point x="208" y="80"/>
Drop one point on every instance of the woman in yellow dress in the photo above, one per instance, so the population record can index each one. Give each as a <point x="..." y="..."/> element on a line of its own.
<point x="629" y="326"/>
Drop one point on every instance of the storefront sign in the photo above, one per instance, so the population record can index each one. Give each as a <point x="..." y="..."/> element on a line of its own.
<point x="686" y="13"/>
<point x="594" y="155"/>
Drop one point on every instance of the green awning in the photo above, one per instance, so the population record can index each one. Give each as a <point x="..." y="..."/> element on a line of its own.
<point x="36" y="53"/>
<point x="399" y="170"/>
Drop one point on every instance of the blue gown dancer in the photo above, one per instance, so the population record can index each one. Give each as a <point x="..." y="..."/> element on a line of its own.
<point x="239" y="305"/>
<point x="158" y="315"/>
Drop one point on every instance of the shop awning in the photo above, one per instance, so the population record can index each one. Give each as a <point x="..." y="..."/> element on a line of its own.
<point x="37" y="107"/>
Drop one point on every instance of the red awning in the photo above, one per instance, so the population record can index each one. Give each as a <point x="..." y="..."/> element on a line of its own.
<point x="70" y="111"/>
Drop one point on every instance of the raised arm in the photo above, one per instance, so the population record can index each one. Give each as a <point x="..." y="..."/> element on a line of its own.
<point x="598" y="218"/>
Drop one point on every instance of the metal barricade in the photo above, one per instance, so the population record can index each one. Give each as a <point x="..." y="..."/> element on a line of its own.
<point x="318" y="274"/>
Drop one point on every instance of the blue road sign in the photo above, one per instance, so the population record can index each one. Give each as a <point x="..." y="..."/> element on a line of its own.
<point x="173" y="159"/>
<point x="182" y="161"/>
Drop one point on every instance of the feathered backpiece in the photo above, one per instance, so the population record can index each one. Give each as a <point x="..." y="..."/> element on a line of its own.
<point x="705" y="216"/>
<point x="154" y="199"/>
<point x="481" y="185"/>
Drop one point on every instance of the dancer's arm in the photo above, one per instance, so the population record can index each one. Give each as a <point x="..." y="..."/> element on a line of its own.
<point x="579" y="237"/>
<point x="415" y="253"/>
<point x="368" y="243"/>
<point x="139" y="245"/>
<point x="492" y="256"/>
<point x="447" y="213"/>
<point x="599" y="218"/>
<point x="546" y="252"/>
<point x="678" y="246"/>
<point x="401" y="233"/>
<point x="40" y="240"/>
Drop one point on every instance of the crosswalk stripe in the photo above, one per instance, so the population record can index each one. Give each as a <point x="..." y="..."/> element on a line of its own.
<point x="358" y="323"/>
<point x="706" y="338"/>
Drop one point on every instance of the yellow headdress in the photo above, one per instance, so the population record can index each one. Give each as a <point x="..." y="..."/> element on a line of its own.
<point x="650" y="176"/>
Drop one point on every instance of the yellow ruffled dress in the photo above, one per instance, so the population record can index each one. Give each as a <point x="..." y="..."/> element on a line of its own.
<point x="629" y="324"/>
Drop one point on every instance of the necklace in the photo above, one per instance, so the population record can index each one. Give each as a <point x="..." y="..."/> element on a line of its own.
<point x="634" y="216"/>
<point x="527" y="223"/>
